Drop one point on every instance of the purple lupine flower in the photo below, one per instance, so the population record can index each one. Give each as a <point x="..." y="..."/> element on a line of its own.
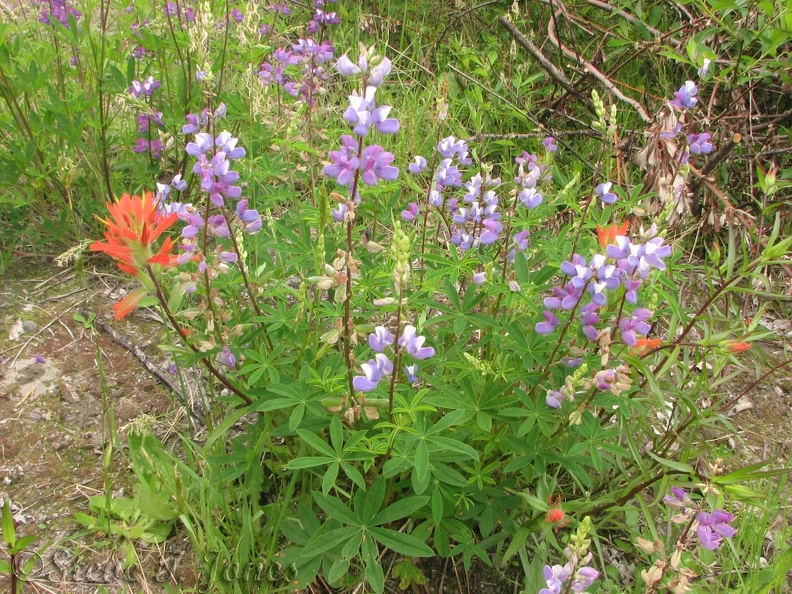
<point x="379" y="72"/>
<point x="380" y="339"/>
<point x="147" y="87"/>
<point x="344" y="161"/>
<point x="589" y="317"/>
<point x="237" y="15"/>
<point x="178" y="184"/>
<point x="554" y="399"/>
<point x="550" y="145"/>
<point x="202" y="144"/>
<point x="577" y="269"/>
<point x="604" y="379"/>
<point x="375" y="164"/>
<point x="480" y="278"/>
<point x="346" y="67"/>
<point x="411" y="212"/>
<point x="218" y="226"/>
<point x="678" y="499"/>
<point x="493" y="229"/>
<point x="530" y="197"/>
<point x="414" y="343"/>
<point x="326" y="18"/>
<point x="636" y="324"/>
<point x="195" y="224"/>
<point x="713" y="528"/>
<point x="583" y="578"/>
<point x="228" y="257"/>
<point x="550" y="323"/>
<point x="685" y="97"/>
<point x="373" y="372"/>
<point x="39" y="359"/>
<point x="412" y="373"/>
<point x="227" y="144"/>
<point x="604" y="193"/>
<point x="699" y="144"/>
<point x="418" y="166"/>
<point x="339" y="213"/>
<point x="555" y="577"/>
<point x="226" y="357"/>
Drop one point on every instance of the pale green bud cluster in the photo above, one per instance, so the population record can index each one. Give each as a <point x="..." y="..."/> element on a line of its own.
<point x="400" y="249"/>
<point x="599" y="108"/>
<point x="302" y="300"/>
<point x="579" y="541"/>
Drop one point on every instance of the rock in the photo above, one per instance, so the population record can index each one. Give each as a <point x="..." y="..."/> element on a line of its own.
<point x="29" y="326"/>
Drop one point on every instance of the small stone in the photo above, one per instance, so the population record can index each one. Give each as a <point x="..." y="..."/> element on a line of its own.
<point x="29" y="326"/>
<point x="34" y="415"/>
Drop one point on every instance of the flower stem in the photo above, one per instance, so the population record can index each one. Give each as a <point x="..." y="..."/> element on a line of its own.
<point x="177" y="327"/>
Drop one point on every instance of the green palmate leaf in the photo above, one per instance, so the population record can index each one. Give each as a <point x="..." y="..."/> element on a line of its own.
<point x="329" y="479"/>
<point x="354" y="475"/>
<point x="400" y="509"/>
<point x="328" y="540"/>
<point x="438" y="506"/>
<point x="317" y="443"/>
<point x="373" y="501"/>
<point x="338" y="570"/>
<point x="679" y="466"/>
<point x="421" y="460"/>
<point x="335" y="508"/>
<point x="399" y="542"/>
<point x="308" y="462"/>
<point x="455" y="446"/>
<point x="374" y="574"/>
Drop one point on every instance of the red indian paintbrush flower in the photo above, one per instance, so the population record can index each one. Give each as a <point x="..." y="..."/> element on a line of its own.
<point x="607" y="235"/>
<point x="132" y="228"/>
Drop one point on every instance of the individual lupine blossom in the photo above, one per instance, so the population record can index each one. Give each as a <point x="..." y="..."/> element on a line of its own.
<point x="604" y="194"/>
<point x="226" y="357"/>
<point x="373" y="372"/>
<point x="174" y="9"/>
<point x="550" y="144"/>
<point x="363" y="113"/>
<point x="59" y="10"/>
<point x="326" y="18"/>
<point x="685" y="97"/>
<point x="634" y="325"/>
<point x="147" y="87"/>
<point x="411" y="212"/>
<point x="153" y="147"/>
<point x="133" y="227"/>
<point x="380" y="339"/>
<point x="520" y="242"/>
<point x="699" y="144"/>
<point x="374" y="68"/>
<point x="145" y="119"/>
<point x="680" y="500"/>
<point x="418" y="166"/>
<point x="414" y="343"/>
<point x="713" y="528"/>
<point x="581" y="575"/>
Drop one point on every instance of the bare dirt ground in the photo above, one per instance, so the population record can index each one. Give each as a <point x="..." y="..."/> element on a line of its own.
<point x="54" y="429"/>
